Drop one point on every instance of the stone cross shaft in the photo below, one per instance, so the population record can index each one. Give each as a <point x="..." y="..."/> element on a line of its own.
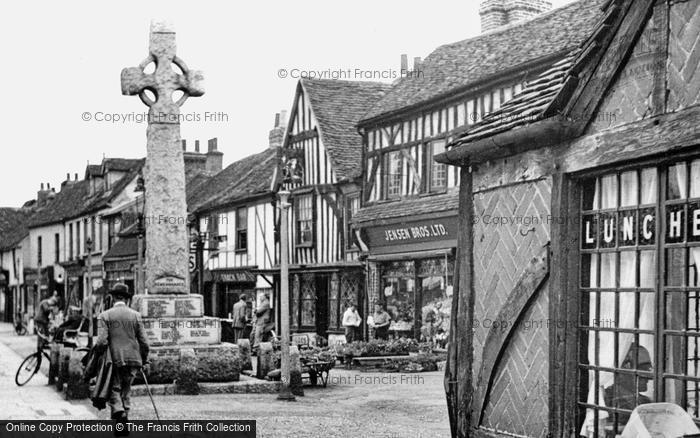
<point x="165" y="215"/>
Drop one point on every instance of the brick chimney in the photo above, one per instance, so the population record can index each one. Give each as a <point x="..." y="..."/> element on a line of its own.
<point x="44" y="195"/>
<point x="277" y="132"/>
<point x="68" y="181"/>
<point x="498" y="13"/>
<point x="215" y="159"/>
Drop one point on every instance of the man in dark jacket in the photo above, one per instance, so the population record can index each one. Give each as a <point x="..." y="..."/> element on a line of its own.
<point x="262" y="320"/>
<point x="121" y="329"/>
<point x="239" y="316"/>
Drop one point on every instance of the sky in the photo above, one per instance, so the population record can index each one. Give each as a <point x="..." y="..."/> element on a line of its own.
<point x="62" y="106"/>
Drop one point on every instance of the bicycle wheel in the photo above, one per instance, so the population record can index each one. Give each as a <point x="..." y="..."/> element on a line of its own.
<point x="21" y="330"/>
<point x="29" y="366"/>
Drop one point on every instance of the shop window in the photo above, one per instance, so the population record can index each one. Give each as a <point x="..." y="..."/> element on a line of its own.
<point x="438" y="171"/>
<point x="640" y="294"/>
<point x="295" y="301"/>
<point x="242" y="229"/>
<point x="308" y="300"/>
<point x="398" y="291"/>
<point x="304" y="220"/>
<point x="394" y="174"/>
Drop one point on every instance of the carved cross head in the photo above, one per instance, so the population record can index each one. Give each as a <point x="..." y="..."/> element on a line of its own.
<point x="170" y="75"/>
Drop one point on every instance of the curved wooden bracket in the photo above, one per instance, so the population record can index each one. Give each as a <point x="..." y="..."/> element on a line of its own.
<point x="516" y="304"/>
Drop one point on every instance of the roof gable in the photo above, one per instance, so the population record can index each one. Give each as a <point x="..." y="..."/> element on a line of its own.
<point x="561" y="102"/>
<point x="463" y="64"/>
<point x="338" y="106"/>
<point x="13" y="226"/>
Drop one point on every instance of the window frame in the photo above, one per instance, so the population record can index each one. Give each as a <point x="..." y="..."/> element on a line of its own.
<point x="241" y="230"/>
<point x="386" y="158"/>
<point x="311" y="219"/>
<point x="430" y="165"/>
<point x="349" y="213"/>
<point x="565" y="414"/>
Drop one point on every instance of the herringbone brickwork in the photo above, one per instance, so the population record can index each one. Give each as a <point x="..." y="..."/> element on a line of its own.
<point x="511" y="227"/>
<point x="630" y="98"/>
<point x="684" y="55"/>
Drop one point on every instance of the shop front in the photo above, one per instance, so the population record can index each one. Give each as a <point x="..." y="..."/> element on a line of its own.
<point x="224" y="287"/>
<point x="411" y="268"/>
<point x="320" y="296"/>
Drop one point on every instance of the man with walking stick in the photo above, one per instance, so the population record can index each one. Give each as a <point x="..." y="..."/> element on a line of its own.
<point x="121" y="329"/>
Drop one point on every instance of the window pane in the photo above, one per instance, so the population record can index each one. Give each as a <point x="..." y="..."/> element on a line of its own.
<point x="394" y="174"/>
<point x="677" y="181"/>
<point x="675" y="266"/>
<point x="628" y="269"/>
<point x="695" y="179"/>
<point x="607" y="270"/>
<point x="628" y="303"/>
<point x="589" y="267"/>
<point x="650" y="185"/>
<point x="438" y="174"/>
<point x="629" y="189"/>
<point x="647" y="269"/>
<point x="588" y="192"/>
<point x="608" y="192"/>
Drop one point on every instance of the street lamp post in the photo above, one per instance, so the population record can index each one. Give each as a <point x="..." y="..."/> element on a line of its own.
<point x="141" y="234"/>
<point x="88" y="291"/>
<point x="285" y="390"/>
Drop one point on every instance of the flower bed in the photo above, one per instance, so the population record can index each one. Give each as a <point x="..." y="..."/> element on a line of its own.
<point x="376" y="347"/>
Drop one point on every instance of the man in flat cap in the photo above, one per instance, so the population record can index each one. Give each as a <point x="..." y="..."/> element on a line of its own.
<point x="121" y="329"/>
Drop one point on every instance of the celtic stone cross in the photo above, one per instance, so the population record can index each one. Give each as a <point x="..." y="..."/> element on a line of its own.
<point x="165" y="215"/>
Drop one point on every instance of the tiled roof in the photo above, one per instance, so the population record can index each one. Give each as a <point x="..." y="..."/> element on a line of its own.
<point x="338" y="107"/>
<point x="408" y="207"/>
<point x="71" y="199"/>
<point x="526" y="107"/>
<point x="243" y="179"/>
<point x="121" y="164"/>
<point x="74" y="200"/>
<point x="124" y="247"/>
<point x="459" y="65"/>
<point x="542" y="97"/>
<point x="13" y="226"/>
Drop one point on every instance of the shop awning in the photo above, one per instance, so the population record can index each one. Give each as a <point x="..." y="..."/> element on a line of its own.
<point x="412" y="255"/>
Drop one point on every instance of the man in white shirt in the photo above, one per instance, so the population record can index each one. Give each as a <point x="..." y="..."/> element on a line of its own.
<point x="351" y="322"/>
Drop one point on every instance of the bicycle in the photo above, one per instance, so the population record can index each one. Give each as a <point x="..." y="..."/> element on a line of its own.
<point x="32" y="363"/>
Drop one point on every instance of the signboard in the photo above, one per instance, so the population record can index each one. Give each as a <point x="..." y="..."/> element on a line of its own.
<point x="413" y="232"/>
<point x="166" y="331"/>
<point x="169" y="283"/>
<point x="233" y="276"/>
<point x="638" y="227"/>
<point x="158" y="306"/>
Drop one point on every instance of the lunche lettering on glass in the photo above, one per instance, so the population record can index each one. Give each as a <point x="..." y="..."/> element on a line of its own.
<point x="638" y="227"/>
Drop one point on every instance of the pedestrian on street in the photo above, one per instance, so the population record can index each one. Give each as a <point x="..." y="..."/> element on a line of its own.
<point x="121" y="329"/>
<point x="262" y="320"/>
<point x="240" y="320"/>
<point x="381" y="321"/>
<point x="41" y="320"/>
<point x="351" y="322"/>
